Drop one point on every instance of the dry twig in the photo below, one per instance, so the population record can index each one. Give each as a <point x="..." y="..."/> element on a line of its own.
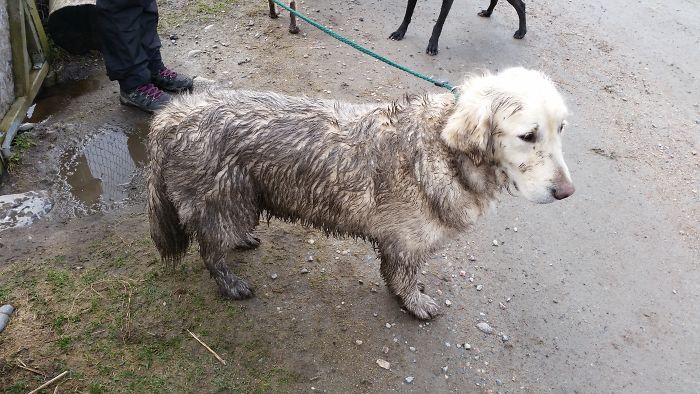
<point x="208" y="348"/>
<point x="36" y="390"/>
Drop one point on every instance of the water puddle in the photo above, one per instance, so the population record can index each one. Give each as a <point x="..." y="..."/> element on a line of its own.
<point x="99" y="174"/>
<point x="54" y="99"/>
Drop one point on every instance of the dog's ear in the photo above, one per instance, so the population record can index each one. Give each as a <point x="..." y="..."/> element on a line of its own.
<point x="468" y="129"/>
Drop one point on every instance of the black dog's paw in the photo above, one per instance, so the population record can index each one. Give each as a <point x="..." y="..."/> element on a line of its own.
<point x="432" y="49"/>
<point x="519" y="34"/>
<point x="397" y="35"/>
<point x="484" y="13"/>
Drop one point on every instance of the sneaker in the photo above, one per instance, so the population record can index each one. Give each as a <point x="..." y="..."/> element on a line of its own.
<point x="168" y="79"/>
<point x="145" y="97"/>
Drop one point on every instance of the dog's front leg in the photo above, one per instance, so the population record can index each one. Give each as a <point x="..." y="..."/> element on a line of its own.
<point x="520" y="9"/>
<point x="400" y="272"/>
<point x="432" y="49"/>
<point x="401" y="31"/>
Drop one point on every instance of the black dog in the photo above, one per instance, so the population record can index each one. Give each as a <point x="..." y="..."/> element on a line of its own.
<point x="444" y="10"/>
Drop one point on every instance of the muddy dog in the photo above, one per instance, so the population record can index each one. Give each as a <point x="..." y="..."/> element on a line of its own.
<point x="444" y="10"/>
<point x="406" y="175"/>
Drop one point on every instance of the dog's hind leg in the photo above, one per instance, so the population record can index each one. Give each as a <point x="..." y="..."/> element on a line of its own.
<point x="273" y="12"/>
<point x="400" y="272"/>
<point x="487" y="12"/>
<point x="229" y="215"/>
<point x="432" y="49"/>
<point x="520" y="9"/>
<point x="401" y="31"/>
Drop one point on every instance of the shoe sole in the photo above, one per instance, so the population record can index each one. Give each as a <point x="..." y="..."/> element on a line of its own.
<point x="128" y="103"/>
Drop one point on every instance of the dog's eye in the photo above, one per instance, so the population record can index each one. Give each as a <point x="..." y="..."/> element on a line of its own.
<point x="528" y="137"/>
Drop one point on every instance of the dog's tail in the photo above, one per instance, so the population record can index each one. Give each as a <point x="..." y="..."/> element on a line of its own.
<point x="168" y="233"/>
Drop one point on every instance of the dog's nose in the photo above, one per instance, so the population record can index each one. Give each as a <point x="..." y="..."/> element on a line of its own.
<point x="563" y="190"/>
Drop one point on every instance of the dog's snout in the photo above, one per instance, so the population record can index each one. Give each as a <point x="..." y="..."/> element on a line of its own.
<point x="563" y="190"/>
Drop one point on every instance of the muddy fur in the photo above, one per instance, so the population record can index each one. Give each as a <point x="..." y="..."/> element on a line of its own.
<point x="406" y="176"/>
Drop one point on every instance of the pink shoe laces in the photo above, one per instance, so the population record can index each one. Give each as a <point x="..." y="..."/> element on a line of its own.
<point x="167" y="73"/>
<point x="150" y="90"/>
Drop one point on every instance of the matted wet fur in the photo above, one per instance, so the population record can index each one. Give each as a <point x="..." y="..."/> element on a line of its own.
<point x="406" y="176"/>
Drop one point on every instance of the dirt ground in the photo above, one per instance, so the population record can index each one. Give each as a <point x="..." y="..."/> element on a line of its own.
<point x="597" y="293"/>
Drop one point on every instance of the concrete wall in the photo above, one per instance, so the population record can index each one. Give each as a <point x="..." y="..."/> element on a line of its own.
<point x="7" y="87"/>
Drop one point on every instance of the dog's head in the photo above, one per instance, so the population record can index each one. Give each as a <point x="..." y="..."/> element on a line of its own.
<point x="513" y="120"/>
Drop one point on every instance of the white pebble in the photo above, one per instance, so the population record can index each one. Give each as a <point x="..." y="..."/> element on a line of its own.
<point x="495" y="242"/>
<point x="409" y="379"/>
<point x="485" y="328"/>
<point x="383" y="363"/>
<point x="448" y="302"/>
<point x="479" y="287"/>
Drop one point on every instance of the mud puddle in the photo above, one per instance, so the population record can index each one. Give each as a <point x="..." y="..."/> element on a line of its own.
<point x="54" y="99"/>
<point x="99" y="174"/>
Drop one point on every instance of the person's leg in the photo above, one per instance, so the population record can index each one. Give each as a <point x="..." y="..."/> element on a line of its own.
<point x="126" y="61"/>
<point x="160" y="75"/>
<point x="150" y="42"/>
<point x="120" y="36"/>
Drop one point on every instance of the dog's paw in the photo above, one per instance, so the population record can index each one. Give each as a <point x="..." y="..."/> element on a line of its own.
<point x="235" y="289"/>
<point x="251" y="242"/>
<point x="422" y="306"/>
<point x="484" y="13"/>
<point x="229" y="284"/>
<point x="432" y="49"/>
<point x="519" y="34"/>
<point x="397" y="35"/>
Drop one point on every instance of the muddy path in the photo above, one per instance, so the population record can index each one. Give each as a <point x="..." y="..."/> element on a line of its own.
<point x="597" y="293"/>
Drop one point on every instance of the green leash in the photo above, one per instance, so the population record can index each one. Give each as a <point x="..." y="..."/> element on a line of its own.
<point x="442" y="84"/>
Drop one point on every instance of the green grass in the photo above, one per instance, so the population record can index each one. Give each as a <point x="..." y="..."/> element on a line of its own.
<point x="20" y="145"/>
<point x="4" y="295"/>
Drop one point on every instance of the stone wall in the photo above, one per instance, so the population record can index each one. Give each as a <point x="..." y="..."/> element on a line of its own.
<point x="7" y="89"/>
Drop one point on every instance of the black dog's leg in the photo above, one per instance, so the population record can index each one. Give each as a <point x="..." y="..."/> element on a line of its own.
<point x="273" y="12"/>
<point x="432" y="49"/>
<point x="487" y="13"/>
<point x="401" y="31"/>
<point x="520" y="9"/>
<point x="293" y="28"/>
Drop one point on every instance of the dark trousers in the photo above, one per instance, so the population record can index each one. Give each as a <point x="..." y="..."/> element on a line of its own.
<point x="130" y="42"/>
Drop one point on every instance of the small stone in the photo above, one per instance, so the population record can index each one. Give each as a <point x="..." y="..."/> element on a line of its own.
<point x="472" y="258"/>
<point x="479" y="287"/>
<point x="360" y="281"/>
<point x="208" y="27"/>
<point x="409" y="379"/>
<point x="411" y="348"/>
<point x="495" y="242"/>
<point x="385" y="349"/>
<point x="383" y="363"/>
<point x="273" y="276"/>
<point x="502" y="305"/>
<point x="467" y="346"/>
<point x="505" y="338"/>
<point x="485" y="328"/>
<point x="359" y="342"/>
<point x="515" y="229"/>
<point x="373" y="290"/>
<point x="387" y="325"/>
<point x="675" y="291"/>
<point x="444" y="369"/>
<point x="311" y="241"/>
<point x="448" y="302"/>
<point x="251" y="23"/>
<point x="7" y="309"/>
<point x="462" y="273"/>
<point x="447" y="344"/>
<point x="305" y="270"/>
<point x="309" y="258"/>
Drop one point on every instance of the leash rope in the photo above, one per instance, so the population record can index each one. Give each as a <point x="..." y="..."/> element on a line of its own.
<point x="345" y="40"/>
